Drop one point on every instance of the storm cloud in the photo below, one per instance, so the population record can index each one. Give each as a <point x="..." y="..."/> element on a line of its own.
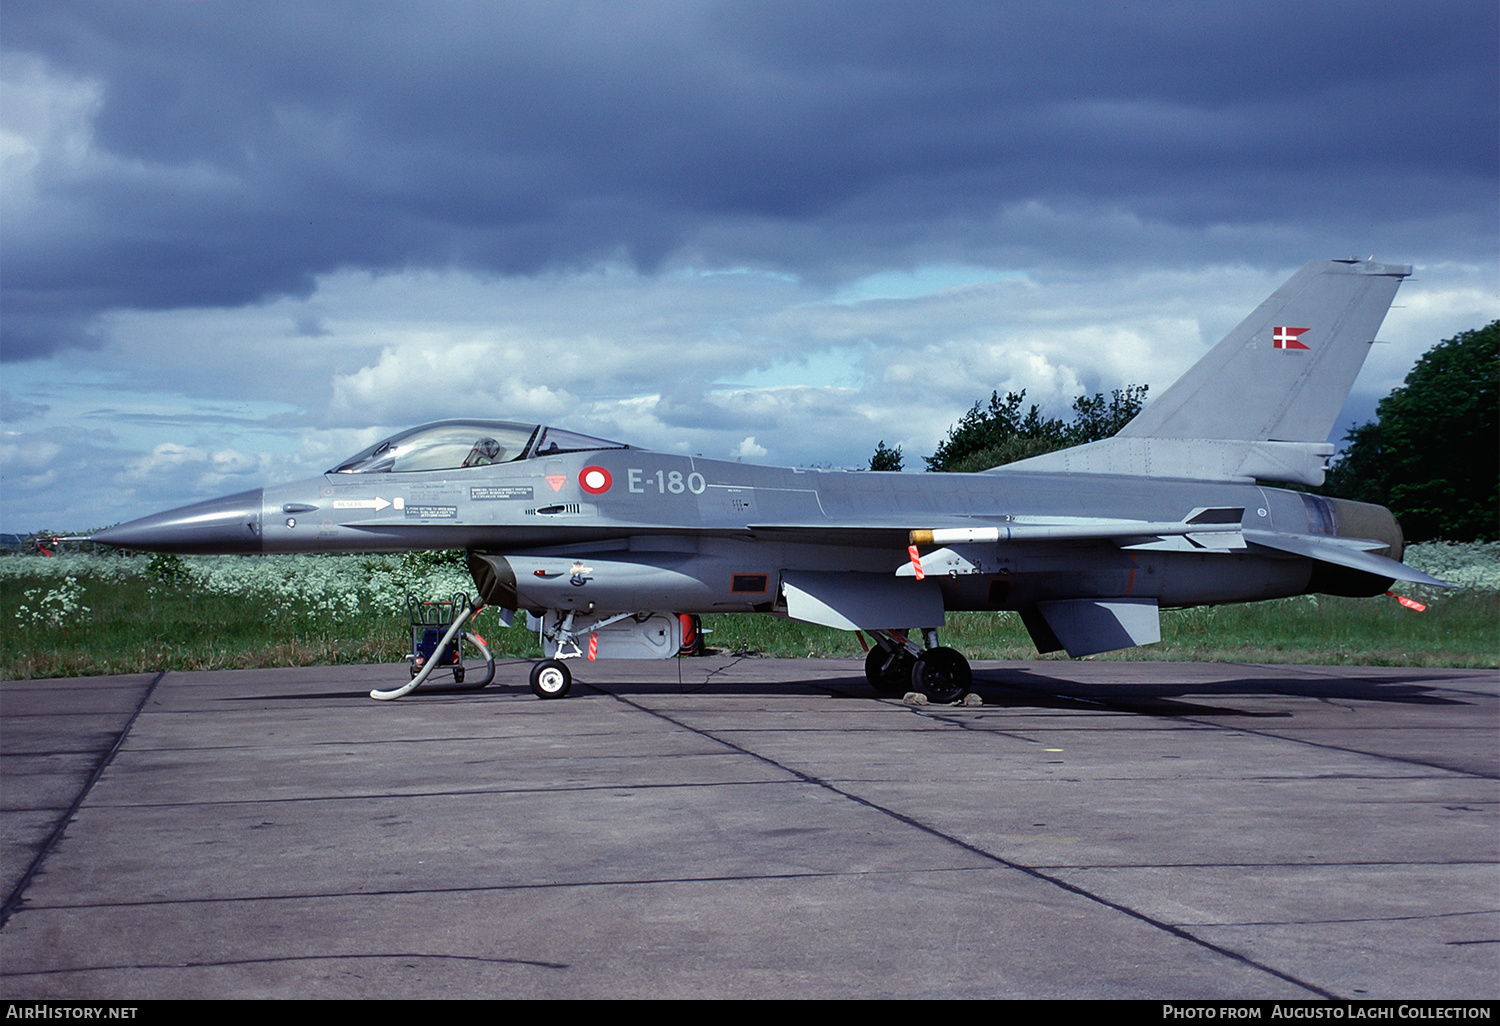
<point x="179" y="159"/>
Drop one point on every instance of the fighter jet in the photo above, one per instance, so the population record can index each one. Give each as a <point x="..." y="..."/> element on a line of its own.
<point x="603" y="544"/>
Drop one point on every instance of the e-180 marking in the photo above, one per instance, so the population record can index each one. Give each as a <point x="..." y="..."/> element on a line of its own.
<point x="665" y="482"/>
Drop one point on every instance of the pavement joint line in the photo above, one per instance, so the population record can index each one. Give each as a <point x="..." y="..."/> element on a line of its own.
<point x="549" y="885"/>
<point x="1425" y="764"/>
<point x="1169" y="928"/>
<point x="1271" y="735"/>
<point x="1369" y="919"/>
<point x="536" y="792"/>
<point x="658" y="881"/>
<point x="281" y="959"/>
<point x="13" y="900"/>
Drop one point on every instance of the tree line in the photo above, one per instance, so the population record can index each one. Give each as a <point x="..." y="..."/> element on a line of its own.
<point x="1432" y="455"/>
<point x="999" y="433"/>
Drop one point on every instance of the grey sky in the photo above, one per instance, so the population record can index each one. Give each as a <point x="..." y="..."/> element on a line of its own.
<point x="241" y="238"/>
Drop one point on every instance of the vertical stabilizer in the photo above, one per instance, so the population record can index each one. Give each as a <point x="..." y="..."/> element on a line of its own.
<point x="1262" y="402"/>
<point x="1284" y="373"/>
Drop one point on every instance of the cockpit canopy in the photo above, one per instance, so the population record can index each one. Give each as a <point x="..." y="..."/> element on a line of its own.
<point x="456" y="444"/>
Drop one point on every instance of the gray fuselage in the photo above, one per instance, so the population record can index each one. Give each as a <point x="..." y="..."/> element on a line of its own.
<point x="711" y="535"/>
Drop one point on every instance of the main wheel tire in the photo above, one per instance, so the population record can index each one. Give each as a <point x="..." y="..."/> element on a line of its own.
<point x="550" y="678"/>
<point x="942" y="674"/>
<point x="888" y="671"/>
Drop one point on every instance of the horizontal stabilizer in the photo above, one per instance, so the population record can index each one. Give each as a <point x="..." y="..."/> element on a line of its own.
<point x="1353" y="553"/>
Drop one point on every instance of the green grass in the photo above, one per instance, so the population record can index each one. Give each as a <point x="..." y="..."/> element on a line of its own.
<point x="103" y="618"/>
<point x="134" y="627"/>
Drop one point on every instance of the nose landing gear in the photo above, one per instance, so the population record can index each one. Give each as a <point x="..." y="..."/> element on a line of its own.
<point x="551" y="678"/>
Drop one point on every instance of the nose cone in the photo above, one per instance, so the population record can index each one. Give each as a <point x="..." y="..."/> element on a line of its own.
<point x="227" y="525"/>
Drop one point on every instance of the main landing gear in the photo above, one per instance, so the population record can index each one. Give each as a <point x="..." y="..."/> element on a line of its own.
<point x="896" y="665"/>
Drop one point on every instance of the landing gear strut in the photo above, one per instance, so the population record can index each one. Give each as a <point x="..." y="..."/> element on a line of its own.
<point x="568" y="634"/>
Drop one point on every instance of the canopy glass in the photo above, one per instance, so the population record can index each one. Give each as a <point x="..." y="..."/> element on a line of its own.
<point x="458" y="444"/>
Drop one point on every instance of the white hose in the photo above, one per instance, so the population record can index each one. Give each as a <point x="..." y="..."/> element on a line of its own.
<point x="406" y="689"/>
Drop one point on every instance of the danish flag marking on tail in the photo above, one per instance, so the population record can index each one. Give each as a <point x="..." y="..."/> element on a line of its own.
<point x="1286" y="338"/>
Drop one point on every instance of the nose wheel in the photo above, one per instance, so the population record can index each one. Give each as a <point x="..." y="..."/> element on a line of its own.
<point x="550" y="678"/>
